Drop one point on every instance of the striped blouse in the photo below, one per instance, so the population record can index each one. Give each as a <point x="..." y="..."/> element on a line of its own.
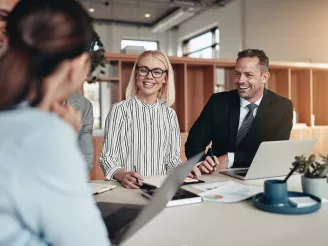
<point x="146" y="136"/>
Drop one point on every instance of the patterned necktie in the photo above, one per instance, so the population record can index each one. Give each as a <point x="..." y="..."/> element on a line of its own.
<point x="246" y="123"/>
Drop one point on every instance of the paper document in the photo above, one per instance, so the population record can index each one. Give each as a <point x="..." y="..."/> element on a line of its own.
<point x="227" y="192"/>
<point x="157" y="181"/>
<point x="213" y="186"/>
<point x="100" y="188"/>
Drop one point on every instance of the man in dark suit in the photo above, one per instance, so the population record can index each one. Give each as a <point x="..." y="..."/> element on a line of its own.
<point x="237" y="121"/>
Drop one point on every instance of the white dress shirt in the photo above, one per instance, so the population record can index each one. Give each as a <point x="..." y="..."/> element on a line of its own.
<point x="243" y="112"/>
<point x="141" y="136"/>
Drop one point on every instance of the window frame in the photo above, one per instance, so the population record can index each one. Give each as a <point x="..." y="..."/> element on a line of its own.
<point x="140" y="40"/>
<point x="213" y="46"/>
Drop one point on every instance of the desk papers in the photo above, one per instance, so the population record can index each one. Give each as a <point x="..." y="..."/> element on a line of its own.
<point x="227" y="192"/>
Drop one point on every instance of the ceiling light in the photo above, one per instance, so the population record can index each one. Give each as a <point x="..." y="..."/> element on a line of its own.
<point x="147" y="15"/>
<point x="91" y="10"/>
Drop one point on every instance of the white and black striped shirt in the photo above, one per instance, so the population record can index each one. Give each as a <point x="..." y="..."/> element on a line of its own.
<point x="146" y="136"/>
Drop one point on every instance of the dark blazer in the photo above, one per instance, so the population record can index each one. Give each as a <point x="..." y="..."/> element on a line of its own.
<point x="218" y="122"/>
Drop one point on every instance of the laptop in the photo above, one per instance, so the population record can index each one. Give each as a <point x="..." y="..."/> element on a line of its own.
<point x="124" y="220"/>
<point x="273" y="159"/>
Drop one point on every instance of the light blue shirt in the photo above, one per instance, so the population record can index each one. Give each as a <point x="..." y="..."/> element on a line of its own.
<point x="44" y="195"/>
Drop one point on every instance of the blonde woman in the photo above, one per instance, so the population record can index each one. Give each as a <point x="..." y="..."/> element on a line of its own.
<point x="142" y="134"/>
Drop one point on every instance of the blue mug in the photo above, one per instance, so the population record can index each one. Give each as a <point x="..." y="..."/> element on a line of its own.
<point x="275" y="192"/>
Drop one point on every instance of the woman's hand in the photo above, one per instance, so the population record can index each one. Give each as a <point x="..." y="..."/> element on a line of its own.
<point x="129" y="179"/>
<point x="68" y="114"/>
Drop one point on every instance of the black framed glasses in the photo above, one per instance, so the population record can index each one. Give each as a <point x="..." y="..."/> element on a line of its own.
<point x="156" y="72"/>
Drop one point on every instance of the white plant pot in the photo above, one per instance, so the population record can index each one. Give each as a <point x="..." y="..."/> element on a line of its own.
<point x="315" y="186"/>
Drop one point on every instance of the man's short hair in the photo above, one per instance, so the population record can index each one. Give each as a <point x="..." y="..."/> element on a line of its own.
<point x="264" y="60"/>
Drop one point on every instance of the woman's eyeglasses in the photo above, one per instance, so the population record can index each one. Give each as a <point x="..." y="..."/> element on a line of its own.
<point x="156" y="72"/>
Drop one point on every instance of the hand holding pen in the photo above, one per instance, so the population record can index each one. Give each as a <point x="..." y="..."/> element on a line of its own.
<point x="129" y="179"/>
<point x="135" y="170"/>
<point x="210" y="163"/>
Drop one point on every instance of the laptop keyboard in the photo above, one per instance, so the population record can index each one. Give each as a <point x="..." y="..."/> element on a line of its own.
<point x="120" y="220"/>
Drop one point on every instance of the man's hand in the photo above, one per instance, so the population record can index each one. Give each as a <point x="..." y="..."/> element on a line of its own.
<point x="195" y="173"/>
<point x="209" y="164"/>
<point x="223" y="162"/>
<point x="131" y="180"/>
<point x="68" y="114"/>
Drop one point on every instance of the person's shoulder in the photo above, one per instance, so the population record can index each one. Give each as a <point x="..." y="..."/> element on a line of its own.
<point x="49" y="123"/>
<point x="86" y="102"/>
<point x="122" y="107"/>
<point x="82" y="102"/>
<point x="224" y="96"/>
<point x="165" y="107"/>
<point x="28" y="123"/>
<point x="278" y="98"/>
<point x="123" y="104"/>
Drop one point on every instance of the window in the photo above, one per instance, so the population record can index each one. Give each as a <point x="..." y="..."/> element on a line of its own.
<point x="92" y="92"/>
<point x="148" y="45"/>
<point x="204" y="45"/>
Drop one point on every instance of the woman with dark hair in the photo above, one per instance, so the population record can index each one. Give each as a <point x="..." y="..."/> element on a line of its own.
<point x="44" y="194"/>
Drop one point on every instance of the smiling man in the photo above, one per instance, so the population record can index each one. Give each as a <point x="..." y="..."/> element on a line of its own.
<point x="238" y="121"/>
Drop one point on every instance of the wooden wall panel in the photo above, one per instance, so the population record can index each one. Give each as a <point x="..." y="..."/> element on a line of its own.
<point x="96" y="172"/>
<point x="301" y="94"/>
<point x="320" y="98"/>
<point x="279" y="82"/>
<point x="180" y="71"/>
<point x="229" y="75"/>
<point x="126" y="70"/>
<point x="195" y="94"/>
<point x="208" y="83"/>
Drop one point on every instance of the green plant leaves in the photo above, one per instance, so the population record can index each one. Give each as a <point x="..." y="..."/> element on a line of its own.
<point x="310" y="167"/>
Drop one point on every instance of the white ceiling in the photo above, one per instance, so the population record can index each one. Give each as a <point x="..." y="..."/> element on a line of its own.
<point x="133" y="11"/>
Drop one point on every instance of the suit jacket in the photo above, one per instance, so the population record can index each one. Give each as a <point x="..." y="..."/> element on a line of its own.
<point x="218" y="122"/>
<point x="85" y="141"/>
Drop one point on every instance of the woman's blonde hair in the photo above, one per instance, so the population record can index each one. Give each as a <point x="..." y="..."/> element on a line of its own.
<point x="167" y="93"/>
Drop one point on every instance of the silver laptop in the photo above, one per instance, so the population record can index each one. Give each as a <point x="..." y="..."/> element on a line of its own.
<point x="273" y="159"/>
<point x="134" y="217"/>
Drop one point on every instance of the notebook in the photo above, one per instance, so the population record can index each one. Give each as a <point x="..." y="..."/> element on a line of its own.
<point x="157" y="181"/>
<point x="181" y="197"/>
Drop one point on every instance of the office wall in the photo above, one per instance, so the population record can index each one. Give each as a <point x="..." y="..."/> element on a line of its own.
<point x="112" y="34"/>
<point x="229" y="21"/>
<point x="293" y="30"/>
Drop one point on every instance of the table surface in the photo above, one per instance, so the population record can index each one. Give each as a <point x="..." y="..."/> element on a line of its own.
<point x="212" y="223"/>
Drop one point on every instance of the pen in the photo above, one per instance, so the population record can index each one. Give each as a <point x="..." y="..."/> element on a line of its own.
<point x="210" y="153"/>
<point x="135" y="169"/>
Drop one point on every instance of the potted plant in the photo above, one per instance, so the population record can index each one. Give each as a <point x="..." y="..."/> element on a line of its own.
<point x="97" y="58"/>
<point x="314" y="178"/>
